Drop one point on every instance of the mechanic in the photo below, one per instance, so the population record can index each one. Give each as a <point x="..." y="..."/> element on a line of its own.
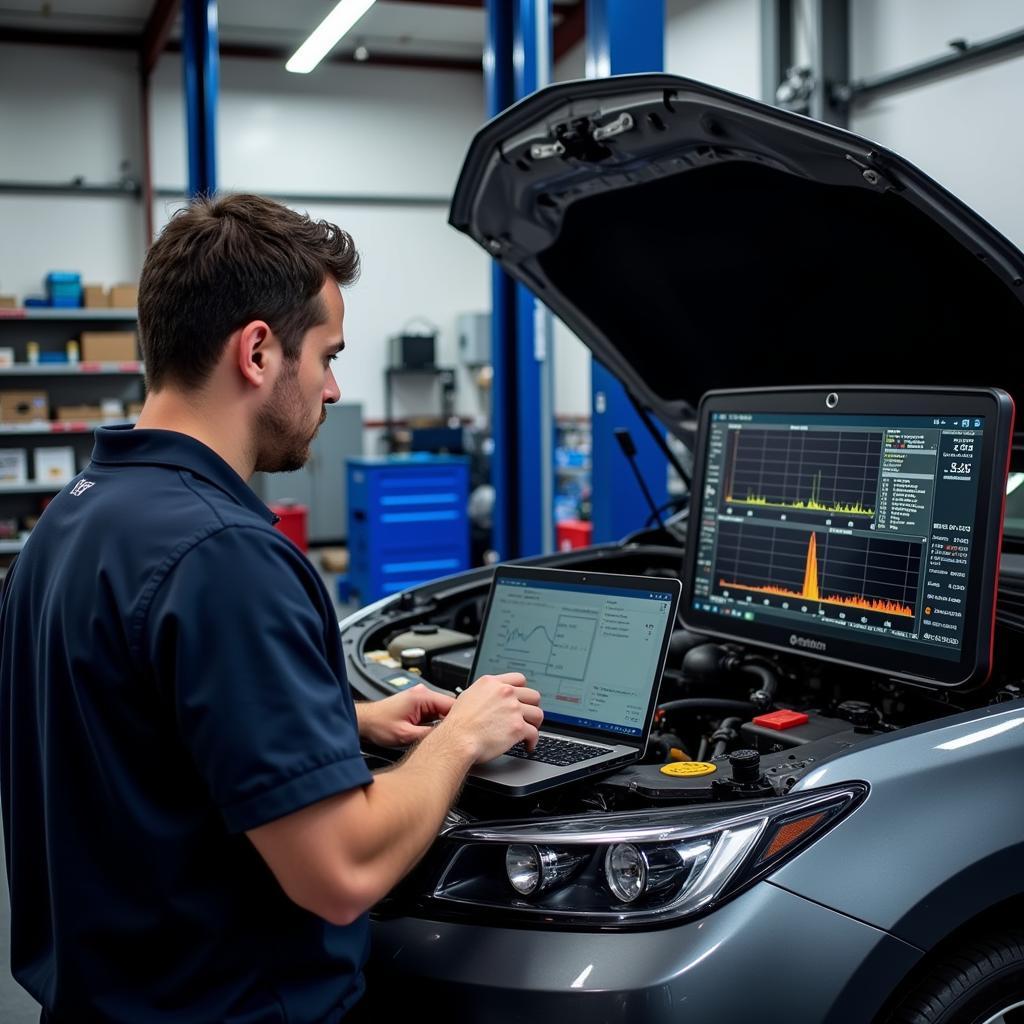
<point x="192" y="834"/>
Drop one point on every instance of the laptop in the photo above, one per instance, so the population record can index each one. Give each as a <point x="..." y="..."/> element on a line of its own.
<point x="594" y="645"/>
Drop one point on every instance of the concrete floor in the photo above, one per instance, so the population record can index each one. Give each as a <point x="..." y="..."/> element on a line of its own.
<point x="16" y="1005"/>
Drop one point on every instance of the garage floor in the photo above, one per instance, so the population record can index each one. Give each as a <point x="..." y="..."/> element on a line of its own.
<point x="16" y="1006"/>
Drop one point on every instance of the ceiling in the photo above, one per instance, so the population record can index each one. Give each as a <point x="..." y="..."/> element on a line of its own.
<point x="435" y="33"/>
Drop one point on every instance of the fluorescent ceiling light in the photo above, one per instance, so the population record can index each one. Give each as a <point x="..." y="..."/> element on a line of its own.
<point x="326" y="34"/>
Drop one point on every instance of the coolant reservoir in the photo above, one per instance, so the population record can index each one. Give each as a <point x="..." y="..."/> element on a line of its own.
<point x="433" y="640"/>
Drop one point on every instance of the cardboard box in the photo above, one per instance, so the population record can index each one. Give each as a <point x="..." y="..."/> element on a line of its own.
<point x="334" y="559"/>
<point x="24" y="406"/>
<point x="8" y="302"/>
<point x="112" y="409"/>
<point x="108" y="347"/>
<point x="95" y="296"/>
<point x="124" y="296"/>
<point x="54" y="465"/>
<point x="13" y="466"/>
<point x="76" y="413"/>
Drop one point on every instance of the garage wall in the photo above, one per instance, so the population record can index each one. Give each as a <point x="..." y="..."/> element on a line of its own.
<point x="964" y="130"/>
<point x="715" y="41"/>
<point x="572" y="357"/>
<point x="65" y="113"/>
<point x="343" y="130"/>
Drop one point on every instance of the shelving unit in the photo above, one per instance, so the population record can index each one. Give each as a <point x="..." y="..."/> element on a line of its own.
<point x="30" y="488"/>
<point x="572" y="469"/>
<point x="66" y="383"/>
<point x="444" y="374"/>
<point x="76" y="314"/>
<point x="55" y="427"/>
<point x="133" y="367"/>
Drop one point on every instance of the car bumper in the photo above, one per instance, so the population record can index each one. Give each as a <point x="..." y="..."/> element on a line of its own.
<point x="767" y="956"/>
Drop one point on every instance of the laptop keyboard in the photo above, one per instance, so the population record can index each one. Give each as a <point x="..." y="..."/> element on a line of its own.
<point x="557" y="751"/>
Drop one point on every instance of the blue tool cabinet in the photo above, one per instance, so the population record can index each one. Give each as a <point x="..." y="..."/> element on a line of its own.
<point x="407" y="521"/>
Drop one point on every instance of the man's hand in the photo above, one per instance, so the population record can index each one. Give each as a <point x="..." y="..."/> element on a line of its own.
<point x="398" y="721"/>
<point x="493" y="714"/>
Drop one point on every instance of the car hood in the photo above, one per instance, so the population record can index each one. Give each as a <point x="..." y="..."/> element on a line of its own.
<point x="695" y="239"/>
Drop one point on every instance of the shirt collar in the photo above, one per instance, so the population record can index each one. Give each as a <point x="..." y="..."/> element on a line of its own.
<point x="125" y="445"/>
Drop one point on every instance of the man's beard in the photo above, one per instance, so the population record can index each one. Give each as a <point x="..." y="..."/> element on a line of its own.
<point x="282" y="444"/>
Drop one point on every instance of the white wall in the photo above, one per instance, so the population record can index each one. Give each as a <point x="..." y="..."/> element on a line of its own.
<point x="715" y="41"/>
<point x="572" y="357"/>
<point x="573" y="64"/>
<point x="963" y="130"/>
<point x="341" y="129"/>
<point x="63" y="114"/>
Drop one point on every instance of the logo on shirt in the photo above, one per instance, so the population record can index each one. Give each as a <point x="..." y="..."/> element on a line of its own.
<point x="81" y="487"/>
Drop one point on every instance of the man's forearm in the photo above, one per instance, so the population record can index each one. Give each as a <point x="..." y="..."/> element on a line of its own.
<point x="405" y="808"/>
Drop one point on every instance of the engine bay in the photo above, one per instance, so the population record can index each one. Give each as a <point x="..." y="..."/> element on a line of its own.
<point x="732" y="723"/>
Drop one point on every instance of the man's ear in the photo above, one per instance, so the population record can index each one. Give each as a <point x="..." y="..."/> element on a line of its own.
<point x="258" y="352"/>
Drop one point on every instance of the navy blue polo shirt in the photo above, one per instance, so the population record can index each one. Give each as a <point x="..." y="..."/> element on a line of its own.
<point x="171" y="675"/>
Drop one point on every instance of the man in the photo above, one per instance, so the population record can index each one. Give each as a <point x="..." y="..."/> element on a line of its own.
<point x="191" y="832"/>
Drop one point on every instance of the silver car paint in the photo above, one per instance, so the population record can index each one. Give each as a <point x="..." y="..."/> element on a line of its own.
<point x="940" y="836"/>
<point x="767" y="956"/>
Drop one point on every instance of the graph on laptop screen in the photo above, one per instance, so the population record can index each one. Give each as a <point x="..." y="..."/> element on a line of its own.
<point x="592" y="651"/>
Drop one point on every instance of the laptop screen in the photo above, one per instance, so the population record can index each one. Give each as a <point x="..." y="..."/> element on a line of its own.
<point x="592" y="648"/>
<point x="860" y="525"/>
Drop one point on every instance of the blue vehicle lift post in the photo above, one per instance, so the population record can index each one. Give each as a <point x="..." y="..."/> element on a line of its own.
<point x="517" y="62"/>
<point x="201" y="66"/>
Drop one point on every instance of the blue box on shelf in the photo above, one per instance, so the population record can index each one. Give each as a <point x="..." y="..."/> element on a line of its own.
<point x="64" y="288"/>
<point x="408" y="521"/>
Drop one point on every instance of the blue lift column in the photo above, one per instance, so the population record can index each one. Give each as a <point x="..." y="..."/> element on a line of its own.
<point x="623" y="37"/>
<point x="201" y="65"/>
<point x="517" y="62"/>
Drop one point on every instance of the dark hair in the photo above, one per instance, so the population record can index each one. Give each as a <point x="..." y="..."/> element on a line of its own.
<point x="223" y="262"/>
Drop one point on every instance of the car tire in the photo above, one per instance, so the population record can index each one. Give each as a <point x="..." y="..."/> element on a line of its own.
<point x="980" y="981"/>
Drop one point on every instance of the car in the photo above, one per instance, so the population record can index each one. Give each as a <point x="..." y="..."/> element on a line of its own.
<point x="695" y="240"/>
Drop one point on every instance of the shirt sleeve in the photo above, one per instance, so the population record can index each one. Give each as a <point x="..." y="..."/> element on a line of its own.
<point x="237" y="636"/>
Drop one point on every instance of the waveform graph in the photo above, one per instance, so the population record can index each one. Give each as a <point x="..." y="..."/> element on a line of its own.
<point x="828" y="471"/>
<point x="532" y="645"/>
<point x="818" y="572"/>
<point x="557" y="648"/>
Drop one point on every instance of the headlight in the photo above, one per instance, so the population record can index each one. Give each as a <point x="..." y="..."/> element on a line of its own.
<point x="533" y="869"/>
<point x="626" y="869"/>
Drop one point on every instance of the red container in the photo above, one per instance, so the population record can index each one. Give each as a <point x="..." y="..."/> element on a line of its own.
<point x="292" y="523"/>
<point x="573" y="533"/>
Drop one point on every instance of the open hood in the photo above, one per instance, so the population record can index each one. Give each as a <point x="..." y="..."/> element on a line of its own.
<point x="695" y="239"/>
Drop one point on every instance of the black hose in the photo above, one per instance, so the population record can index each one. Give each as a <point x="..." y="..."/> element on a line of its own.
<point x="762" y="698"/>
<point x="769" y="679"/>
<point x="724" y="735"/>
<point x="739" y="707"/>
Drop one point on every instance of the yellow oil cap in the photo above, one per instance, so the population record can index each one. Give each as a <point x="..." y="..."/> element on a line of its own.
<point x="688" y="769"/>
